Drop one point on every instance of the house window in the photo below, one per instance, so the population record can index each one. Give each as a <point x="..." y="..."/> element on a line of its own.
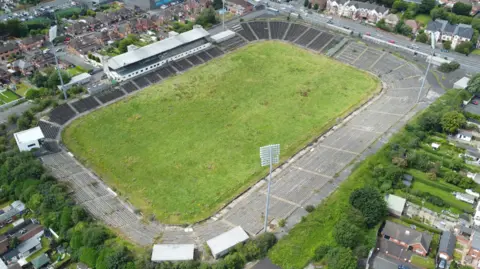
<point x="31" y="145"/>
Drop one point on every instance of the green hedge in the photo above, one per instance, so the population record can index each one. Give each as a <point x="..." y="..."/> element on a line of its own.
<point x="421" y="225"/>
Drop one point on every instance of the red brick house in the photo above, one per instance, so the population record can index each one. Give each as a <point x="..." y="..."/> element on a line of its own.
<point x="411" y="239"/>
<point x="8" y="49"/>
<point x="238" y="7"/>
<point x="474" y="245"/>
<point x="32" y="43"/>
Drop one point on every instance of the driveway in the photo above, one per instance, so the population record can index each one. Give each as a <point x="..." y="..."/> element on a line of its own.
<point x="381" y="261"/>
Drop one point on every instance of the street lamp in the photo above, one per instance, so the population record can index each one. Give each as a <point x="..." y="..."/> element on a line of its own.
<point x="432" y="38"/>
<point x="269" y="155"/>
<point x="52" y="34"/>
<point x="223" y="15"/>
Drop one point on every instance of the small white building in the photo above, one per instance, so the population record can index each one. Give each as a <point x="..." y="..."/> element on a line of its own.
<point x="395" y="204"/>
<point x="471" y="192"/>
<point x="467" y="198"/>
<point x="81" y="79"/>
<point x="461" y="83"/>
<point x="221" y="244"/>
<point x="29" y="139"/>
<point x="435" y="146"/>
<point x="465" y="136"/>
<point x="172" y="252"/>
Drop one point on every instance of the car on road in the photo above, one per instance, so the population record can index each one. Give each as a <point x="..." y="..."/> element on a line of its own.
<point x="368" y="33"/>
<point x="391" y="41"/>
<point x="475" y="102"/>
<point x="444" y="50"/>
<point x="401" y="266"/>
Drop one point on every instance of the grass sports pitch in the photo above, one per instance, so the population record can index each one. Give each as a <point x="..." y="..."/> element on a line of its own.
<point x="184" y="148"/>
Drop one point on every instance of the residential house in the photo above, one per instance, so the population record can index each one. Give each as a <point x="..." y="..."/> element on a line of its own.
<point x="23" y="67"/>
<point x="474" y="245"/>
<point x="413" y="24"/>
<point x="418" y="242"/>
<point x="12" y="211"/>
<point x="446" y="247"/>
<point x="85" y="44"/>
<point x="8" y="49"/>
<point x="238" y="7"/>
<point x="41" y="60"/>
<point x="40" y="261"/>
<point x="32" y="43"/>
<point x="4" y="76"/>
<point x="395" y="204"/>
<point x="77" y="28"/>
<point x="25" y="249"/>
<point x="357" y="10"/>
<point x="391" y="20"/>
<point x="465" y="136"/>
<point x="467" y="198"/>
<point x="444" y="31"/>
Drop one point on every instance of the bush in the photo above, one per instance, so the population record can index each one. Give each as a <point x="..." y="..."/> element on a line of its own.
<point x="321" y="252"/>
<point x="309" y="208"/>
<point x="32" y="94"/>
<point x="282" y="222"/>
<point x="448" y="67"/>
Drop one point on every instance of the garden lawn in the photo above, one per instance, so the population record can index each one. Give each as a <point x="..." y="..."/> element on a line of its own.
<point x="476" y="52"/>
<point x="423" y="19"/>
<point x="8" y="96"/>
<point x="447" y="197"/>
<point x="77" y="70"/>
<point x="423" y="262"/>
<point x="22" y="89"/>
<point x="184" y="148"/>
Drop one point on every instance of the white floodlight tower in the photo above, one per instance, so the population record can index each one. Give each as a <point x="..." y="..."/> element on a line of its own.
<point x="52" y="34"/>
<point x="223" y="15"/>
<point x="269" y="155"/>
<point x="432" y="44"/>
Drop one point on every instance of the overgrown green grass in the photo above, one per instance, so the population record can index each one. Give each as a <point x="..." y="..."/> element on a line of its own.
<point x="423" y="19"/>
<point x="8" y="96"/>
<point x="447" y="197"/>
<point x="186" y="147"/>
<point x="423" y="262"/>
<point x="77" y="70"/>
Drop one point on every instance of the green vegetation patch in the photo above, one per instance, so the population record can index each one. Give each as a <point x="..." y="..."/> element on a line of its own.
<point x="423" y="19"/>
<point x="184" y="148"/>
<point x="8" y="96"/>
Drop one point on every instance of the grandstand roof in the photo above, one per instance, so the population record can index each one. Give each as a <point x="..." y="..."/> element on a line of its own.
<point x="172" y="252"/>
<point x="156" y="48"/>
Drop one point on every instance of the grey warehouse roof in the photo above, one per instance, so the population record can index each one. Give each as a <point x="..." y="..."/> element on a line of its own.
<point x="218" y="245"/>
<point x="447" y="243"/>
<point x="156" y="48"/>
<point x="172" y="252"/>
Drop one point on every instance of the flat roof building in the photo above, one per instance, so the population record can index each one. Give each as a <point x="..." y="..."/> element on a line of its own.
<point x="76" y="80"/>
<point x="172" y="252"/>
<point x="461" y="83"/>
<point x="29" y="139"/>
<point x="395" y="204"/>
<point x="221" y="244"/>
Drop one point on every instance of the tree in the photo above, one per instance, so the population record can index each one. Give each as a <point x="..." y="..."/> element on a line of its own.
<point x="430" y="121"/>
<point x="399" y="6"/>
<point x="464" y="47"/>
<point x="66" y="218"/>
<point x="217" y="4"/>
<point x="449" y="67"/>
<point x="234" y="261"/>
<point x="305" y="3"/>
<point x="347" y="234"/>
<point x="460" y="8"/>
<point x="341" y="258"/>
<point x="438" y="13"/>
<point x="473" y="85"/>
<point x="426" y="6"/>
<point x="422" y="37"/>
<point x="207" y="18"/>
<point x="371" y="203"/>
<point x="453" y="120"/>
<point x="54" y="80"/>
<point x="88" y="256"/>
<point x="14" y="242"/>
<point x="39" y="80"/>
<point x="403" y="28"/>
<point x="78" y="214"/>
<point x="315" y="7"/>
<point x="91" y="13"/>
<point x="321" y="252"/>
<point x="94" y="236"/>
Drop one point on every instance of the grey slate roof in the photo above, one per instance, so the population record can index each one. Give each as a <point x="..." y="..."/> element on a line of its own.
<point x="464" y="30"/>
<point x="447" y="243"/>
<point x="369" y="6"/>
<point x="449" y="29"/>
<point x="436" y="25"/>
<point x="407" y="235"/>
<point x="476" y="240"/>
<point x="8" y="47"/>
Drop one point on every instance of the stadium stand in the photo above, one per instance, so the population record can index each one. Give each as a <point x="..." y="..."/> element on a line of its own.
<point x="85" y="104"/>
<point x="320" y="41"/>
<point x="177" y="67"/>
<point x="307" y="37"/>
<point x="141" y="82"/>
<point x="61" y="114"/>
<point x="332" y="43"/>
<point x="184" y="64"/>
<point x="232" y="43"/>
<point x="244" y="31"/>
<point x="49" y="130"/>
<point x="260" y="28"/>
<point x="214" y="52"/>
<point x="277" y="29"/>
<point x="295" y="31"/>
<point x="165" y="72"/>
<point x="194" y="60"/>
<point x="152" y="77"/>
<point x="134" y="63"/>
<point x="112" y="94"/>
<point x="129" y="87"/>
<point x="204" y="56"/>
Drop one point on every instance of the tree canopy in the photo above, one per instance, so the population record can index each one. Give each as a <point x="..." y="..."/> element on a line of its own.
<point x="452" y="121"/>
<point x="426" y="6"/>
<point x="347" y="234"/>
<point x="460" y="8"/>
<point x="341" y="258"/>
<point x="473" y="85"/>
<point x="371" y="203"/>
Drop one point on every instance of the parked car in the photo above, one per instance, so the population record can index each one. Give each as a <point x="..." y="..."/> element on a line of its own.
<point x="391" y="41"/>
<point x="475" y="102"/>
<point x="367" y="33"/>
<point x="401" y="266"/>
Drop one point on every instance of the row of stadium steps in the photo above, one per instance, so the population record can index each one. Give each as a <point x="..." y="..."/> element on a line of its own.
<point x="232" y="43"/>
<point x="297" y="33"/>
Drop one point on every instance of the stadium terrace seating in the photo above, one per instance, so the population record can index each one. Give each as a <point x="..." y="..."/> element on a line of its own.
<point x="335" y="40"/>
<point x="214" y="52"/>
<point x="184" y="64"/>
<point x="176" y="66"/>
<point x="152" y="77"/>
<point x="164" y="72"/>
<point x="141" y="82"/>
<point x="320" y="41"/>
<point x="232" y="43"/>
<point x="51" y="146"/>
<point x="295" y="31"/>
<point x="246" y="32"/>
<point x="307" y="37"/>
<point x="260" y="28"/>
<point x="49" y="130"/>
<point x="85" y="104"/>
<point x="129" y="87"/>
<point x="194" y="60"/>
<point x="61" y="114"/>
<point x="277" y="29"/>
<point x="204" y="56"/>
<point x="113" y="94"/>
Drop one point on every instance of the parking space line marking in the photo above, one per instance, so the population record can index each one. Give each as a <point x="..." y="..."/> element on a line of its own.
<point x="281" y="199"/>
<point x="311" y="172"/>
<point x="359" y="128"/>
<point x="228" y="223"/>
<point x="363" y="52"/>
<point x="386" y="113"/>
<point x="398" y="67"/>
<point x="374" y="63"/>
<point x="408" y="88"/>
<point x="343" y="150"/>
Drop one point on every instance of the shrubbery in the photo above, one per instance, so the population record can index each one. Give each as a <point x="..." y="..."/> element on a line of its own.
<point x="449" y="67"/>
